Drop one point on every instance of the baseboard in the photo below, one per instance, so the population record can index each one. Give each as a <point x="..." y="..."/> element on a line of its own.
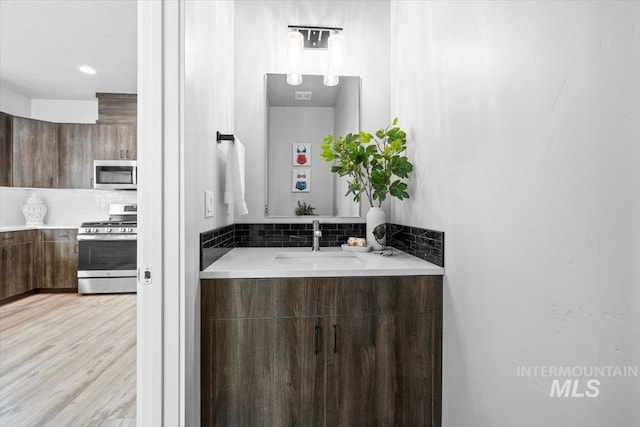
<point x="56" y="290"/>
<point x="38" y="291"/>
<point x="13" y="298"/>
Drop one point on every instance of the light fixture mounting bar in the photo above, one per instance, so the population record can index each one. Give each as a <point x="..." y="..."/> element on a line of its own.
<point x="315" y="37"/>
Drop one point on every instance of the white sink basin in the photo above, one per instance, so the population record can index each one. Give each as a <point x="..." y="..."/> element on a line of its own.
<point x="333" y="259"/>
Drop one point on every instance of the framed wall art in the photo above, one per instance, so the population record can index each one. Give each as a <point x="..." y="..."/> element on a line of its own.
<point x="301" y="154"/>
<point x="301" y="180"/>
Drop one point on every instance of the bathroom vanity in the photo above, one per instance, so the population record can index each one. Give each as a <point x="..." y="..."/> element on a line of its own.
<point x="292" y="337"/>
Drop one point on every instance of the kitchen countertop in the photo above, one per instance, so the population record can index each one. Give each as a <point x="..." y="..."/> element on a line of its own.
<point x="245" y="263"/>
<point x="23" y="227"/>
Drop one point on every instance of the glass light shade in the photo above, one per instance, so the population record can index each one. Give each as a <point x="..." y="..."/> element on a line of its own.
<point x="336" y="52"/>
<point x="330" y="80"/>
<point x="294" y="79"/>
<point x="295" y="45"/>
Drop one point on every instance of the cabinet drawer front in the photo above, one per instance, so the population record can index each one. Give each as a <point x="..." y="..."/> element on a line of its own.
<point x="377" y="295"/>
<point x="60" y="235"/>
<point x="9" y="238"/>
<point x="233" y="298"/>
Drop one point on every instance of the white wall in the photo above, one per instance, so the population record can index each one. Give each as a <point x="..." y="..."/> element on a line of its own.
<point x="308" y="125"/>
<point x="522" y="124"/>
<point x="65" y="110"/>
<point x="260" y="45"/>
<point x="14" y="103"/>
<point x="66" y="208"/>
<point x="208" y="107"/>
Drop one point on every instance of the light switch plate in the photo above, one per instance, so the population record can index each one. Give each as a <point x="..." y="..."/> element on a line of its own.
<point x="208" y="204"/>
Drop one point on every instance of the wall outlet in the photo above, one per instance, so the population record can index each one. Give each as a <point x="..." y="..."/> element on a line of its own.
<point x="208" y="204"/>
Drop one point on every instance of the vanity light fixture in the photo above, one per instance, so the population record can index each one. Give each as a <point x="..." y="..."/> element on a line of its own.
<point x="310" y="37"/>
<point x="87" y="70"/>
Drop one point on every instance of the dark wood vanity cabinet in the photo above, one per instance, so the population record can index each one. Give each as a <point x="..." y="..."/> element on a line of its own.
<point x="322" y="351"/>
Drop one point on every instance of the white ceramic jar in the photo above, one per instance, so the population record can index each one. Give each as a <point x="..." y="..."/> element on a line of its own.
<point x="34" y="210"/>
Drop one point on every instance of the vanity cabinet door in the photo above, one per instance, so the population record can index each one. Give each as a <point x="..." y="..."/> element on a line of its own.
<point x="266" y="371"/>
<point x="383" y="370"/>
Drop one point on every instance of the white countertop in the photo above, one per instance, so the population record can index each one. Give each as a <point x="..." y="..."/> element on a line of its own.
<point x="36" y="227"/>
<point x="301" y="262"/>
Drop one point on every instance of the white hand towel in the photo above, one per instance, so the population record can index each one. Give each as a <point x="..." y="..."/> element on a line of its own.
<point x="234" y="177"/>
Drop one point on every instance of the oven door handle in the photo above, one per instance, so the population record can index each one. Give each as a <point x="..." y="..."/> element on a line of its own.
<point x="107" y="237"/>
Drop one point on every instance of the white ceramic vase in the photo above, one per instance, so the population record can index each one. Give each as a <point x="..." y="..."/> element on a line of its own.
<point x="34" y="210"/>
<point x="375" y="217"/>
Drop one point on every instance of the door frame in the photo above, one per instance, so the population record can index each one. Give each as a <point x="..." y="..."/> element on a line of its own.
<point x="160" y="370"/>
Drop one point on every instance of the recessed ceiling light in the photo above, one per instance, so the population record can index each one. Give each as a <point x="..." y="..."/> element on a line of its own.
<point x="87" y="70"/>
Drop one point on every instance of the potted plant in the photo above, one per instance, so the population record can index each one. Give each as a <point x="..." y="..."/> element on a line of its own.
<point x="375" y="166"/>
<point x="304" y="209"/>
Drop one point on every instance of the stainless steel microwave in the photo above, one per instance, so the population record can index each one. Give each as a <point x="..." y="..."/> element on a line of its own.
<point x="115" y="174"/>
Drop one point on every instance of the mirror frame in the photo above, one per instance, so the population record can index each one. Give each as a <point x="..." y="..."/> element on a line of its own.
<point x="267" y="163"/>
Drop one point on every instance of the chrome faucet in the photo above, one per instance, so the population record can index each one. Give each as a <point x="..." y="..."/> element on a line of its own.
<point x="317" y="234"/>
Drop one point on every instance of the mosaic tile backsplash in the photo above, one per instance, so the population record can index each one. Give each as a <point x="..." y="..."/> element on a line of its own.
<point x="419" y="242"/>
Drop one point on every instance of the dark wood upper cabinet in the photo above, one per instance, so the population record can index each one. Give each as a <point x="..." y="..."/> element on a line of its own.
<point x="35" y="148"/>
<point x="116" y="142"/>
<point x="117" y="108"/>
<point x="6" y="150"/>
<point x="76" y="152"/>
<point x="35" y="153"/>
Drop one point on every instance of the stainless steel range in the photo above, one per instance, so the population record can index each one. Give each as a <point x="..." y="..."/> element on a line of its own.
<point x="108" y="251"/>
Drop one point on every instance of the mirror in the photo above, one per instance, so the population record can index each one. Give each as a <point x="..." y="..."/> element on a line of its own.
<point x="298" y="119"/>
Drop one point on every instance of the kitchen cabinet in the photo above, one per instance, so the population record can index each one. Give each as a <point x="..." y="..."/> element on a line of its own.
<point x="35" y="145"/>
<point x="6" y="150"/>
<point x="321" y="351"/>
<point x="59" y="259"/>
<point x="76" y="147"/>
<point x="18" y="263"/>
<point x="117" y="108"/>
<point x="116" y="142"/>
<point x="35" y="153"/>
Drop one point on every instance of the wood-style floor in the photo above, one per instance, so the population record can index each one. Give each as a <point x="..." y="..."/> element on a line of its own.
<point x="68" y="360"/>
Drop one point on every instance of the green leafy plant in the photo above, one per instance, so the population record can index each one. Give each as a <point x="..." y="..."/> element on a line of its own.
<point x="304" y="209"/>
<point x="375" y="164"/>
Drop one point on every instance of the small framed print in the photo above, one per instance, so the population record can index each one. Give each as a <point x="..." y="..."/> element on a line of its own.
<point x="301" y="180"/>
<point x="301" y="154"/>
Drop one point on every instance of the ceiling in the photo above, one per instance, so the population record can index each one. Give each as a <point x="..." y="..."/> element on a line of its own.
<point x="42" y="44"/>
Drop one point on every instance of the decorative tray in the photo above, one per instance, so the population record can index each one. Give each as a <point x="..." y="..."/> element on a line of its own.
<point x="348" y="248"/>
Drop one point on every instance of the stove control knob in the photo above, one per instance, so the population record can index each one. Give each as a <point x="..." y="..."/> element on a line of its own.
<point x="108" y="230"/>
<point x="87" y="230"/>
<point x="123" y="230"/>
<point x="130" y="230"/>
<point x="95" y="230"/>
